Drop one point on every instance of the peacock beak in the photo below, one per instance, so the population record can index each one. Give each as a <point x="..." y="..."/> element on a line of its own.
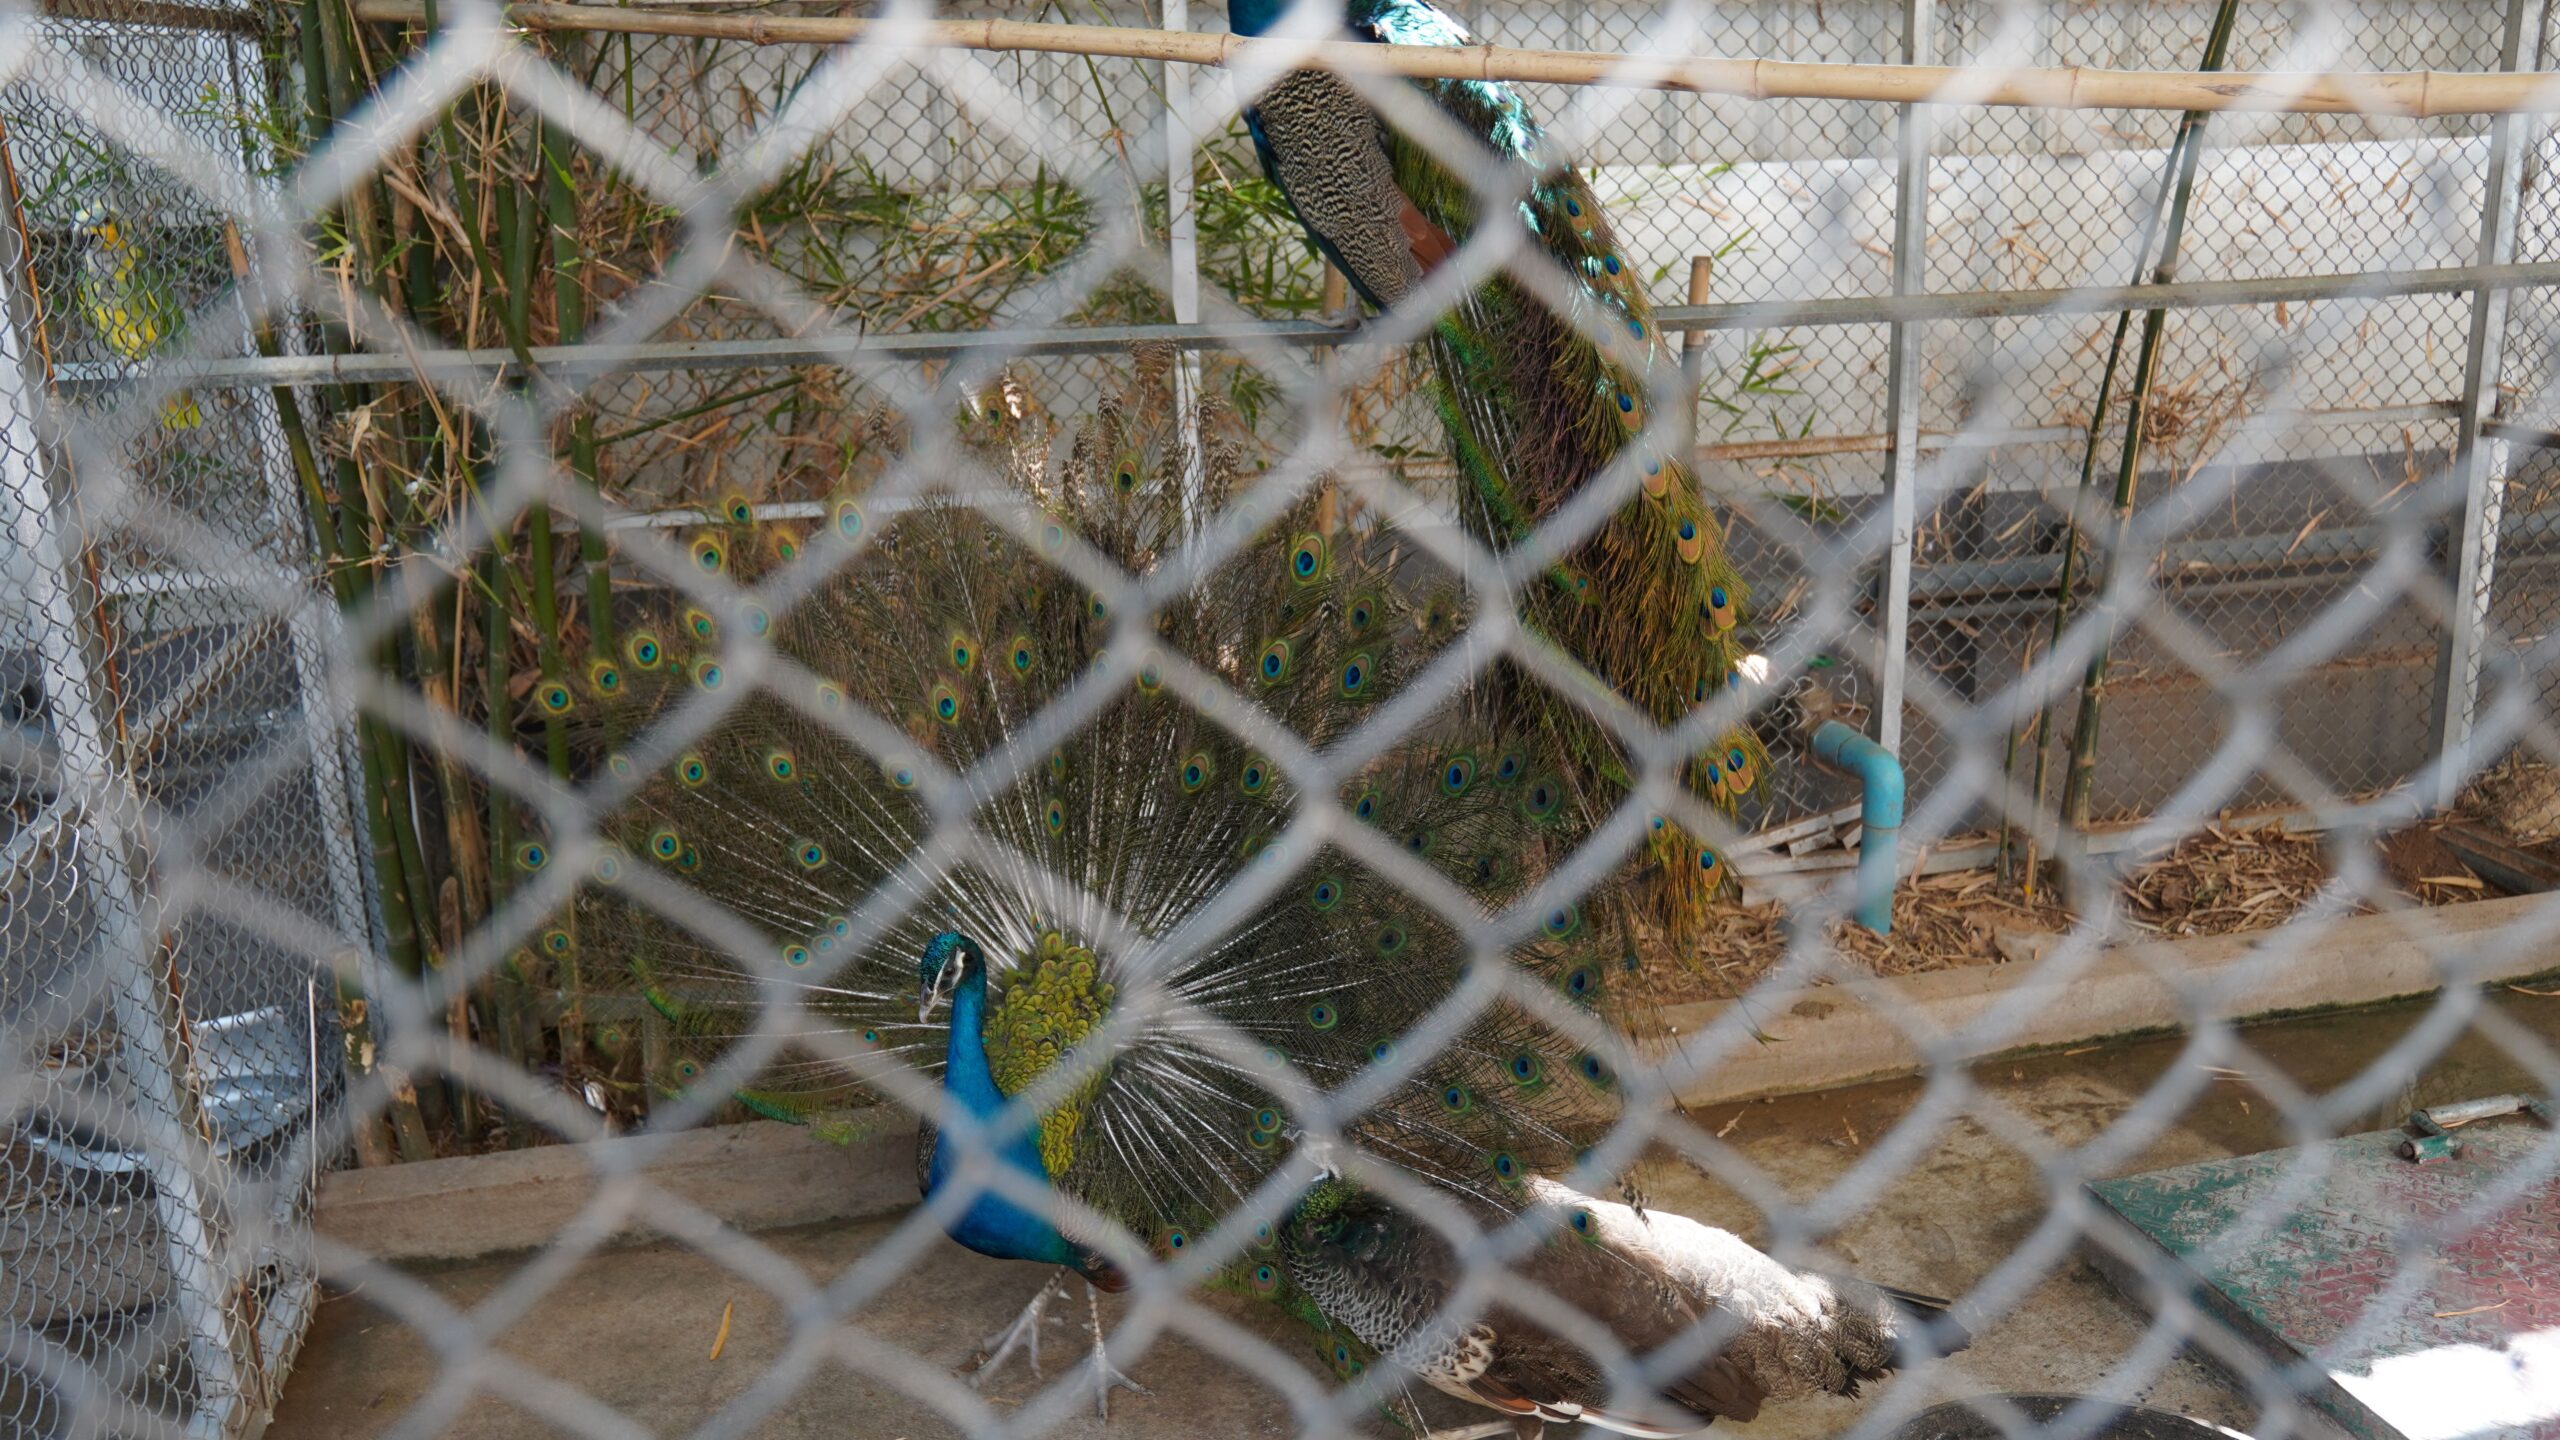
<point x="937" y="991"/>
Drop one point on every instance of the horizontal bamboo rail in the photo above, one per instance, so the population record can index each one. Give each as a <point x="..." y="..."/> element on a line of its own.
<point x="2414" y="93"/>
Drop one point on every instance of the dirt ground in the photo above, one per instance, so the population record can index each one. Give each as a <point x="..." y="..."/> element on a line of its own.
<point x="634" y="1329"/>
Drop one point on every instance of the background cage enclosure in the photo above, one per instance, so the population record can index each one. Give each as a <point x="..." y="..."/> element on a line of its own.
<point x="228" y="858"/>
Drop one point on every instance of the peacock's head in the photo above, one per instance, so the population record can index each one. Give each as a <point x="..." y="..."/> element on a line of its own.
<point x="1257" y="17"/>
<point x="947" y="960"/>
<point x="91" y="220"/>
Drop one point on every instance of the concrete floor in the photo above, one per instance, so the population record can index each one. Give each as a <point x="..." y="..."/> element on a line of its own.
<point x="633" y="1329"/>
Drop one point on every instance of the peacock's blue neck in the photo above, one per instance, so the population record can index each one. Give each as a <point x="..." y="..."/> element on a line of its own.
<point x="992" y="1225"/>
<point x="966" y="1075"/>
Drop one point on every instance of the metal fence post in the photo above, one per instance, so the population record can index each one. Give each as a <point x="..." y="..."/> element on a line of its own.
<point x="104" y="809"/>
<point x="1902" y="383"/>
<point x="1182" y="247"/>
<point x="2480" y="461"/>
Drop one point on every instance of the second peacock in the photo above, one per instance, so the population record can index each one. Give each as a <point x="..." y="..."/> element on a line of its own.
<point x="1541" y="376"/>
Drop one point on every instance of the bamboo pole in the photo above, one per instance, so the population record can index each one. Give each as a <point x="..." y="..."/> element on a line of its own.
<point x="2080" y="781"/>
<point x="2413" y="93"/>
<point x="355" y="1016"/>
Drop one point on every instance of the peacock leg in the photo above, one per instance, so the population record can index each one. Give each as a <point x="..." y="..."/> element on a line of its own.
<point x="1106" y="1378"/>
<point x="1022" y="1334"/>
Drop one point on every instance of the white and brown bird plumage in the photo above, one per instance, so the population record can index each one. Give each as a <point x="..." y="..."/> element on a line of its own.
<point x="1737" y="1328"/>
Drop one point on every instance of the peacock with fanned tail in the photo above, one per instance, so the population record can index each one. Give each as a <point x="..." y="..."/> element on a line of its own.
<point x="1538" y="399"/>
<point x="958" y="632"/>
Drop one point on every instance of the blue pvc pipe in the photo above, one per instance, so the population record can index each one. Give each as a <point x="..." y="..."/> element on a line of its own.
<point x="1880" y="780"/>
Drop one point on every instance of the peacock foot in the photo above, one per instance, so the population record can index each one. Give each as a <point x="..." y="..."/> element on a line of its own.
<point x="1023" y="1334"/>
<point x="1346" y="318"/>
<point x="1105" y="1376"/>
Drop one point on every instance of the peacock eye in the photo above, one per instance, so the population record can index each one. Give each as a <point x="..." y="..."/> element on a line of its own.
<point x="1356" y="672"/>
<point x="1306" y="558"/>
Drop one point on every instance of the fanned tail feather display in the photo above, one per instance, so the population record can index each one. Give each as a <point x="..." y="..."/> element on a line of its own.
<point x="957" y="632"/>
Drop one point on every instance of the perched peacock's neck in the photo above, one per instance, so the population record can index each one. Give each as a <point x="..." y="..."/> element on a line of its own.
<point x="966" y="1075"/>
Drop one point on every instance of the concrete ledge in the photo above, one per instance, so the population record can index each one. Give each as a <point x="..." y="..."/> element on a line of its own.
<point x="756" y="1176"/>
<point x="1824" y="1036"/>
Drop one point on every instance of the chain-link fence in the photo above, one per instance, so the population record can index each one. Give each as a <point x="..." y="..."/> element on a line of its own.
<point x="444" y="457"/>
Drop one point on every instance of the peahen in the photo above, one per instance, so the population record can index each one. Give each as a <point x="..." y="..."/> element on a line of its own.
<point x="1538" y="399"/>
<point x="954" y="639"/>
<point x="1728" y="1328"/>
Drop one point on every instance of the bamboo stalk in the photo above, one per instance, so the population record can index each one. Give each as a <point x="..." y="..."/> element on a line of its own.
<point x="2066" y="582"/>
<point x="518" y="217"/>
<point x="569" y="315"/>
<point x="2413" y="93"/>
<point x="407" y="884"/>
<point x="2081" y="780"/>
<point x="354" y="1016"/>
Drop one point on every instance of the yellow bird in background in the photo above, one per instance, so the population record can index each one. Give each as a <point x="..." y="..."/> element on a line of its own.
<point x="130" y="311"/>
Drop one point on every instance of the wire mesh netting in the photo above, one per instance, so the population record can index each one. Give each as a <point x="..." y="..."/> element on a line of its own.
<point x="581" y="576"/>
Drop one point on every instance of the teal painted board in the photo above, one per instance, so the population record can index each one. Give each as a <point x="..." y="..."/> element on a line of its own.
<point x="2468" y="1350"/>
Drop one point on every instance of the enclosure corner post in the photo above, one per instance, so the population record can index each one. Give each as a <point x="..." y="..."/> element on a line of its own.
<point x="2479" y="461"/>
<point x="1902" y="380"/>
